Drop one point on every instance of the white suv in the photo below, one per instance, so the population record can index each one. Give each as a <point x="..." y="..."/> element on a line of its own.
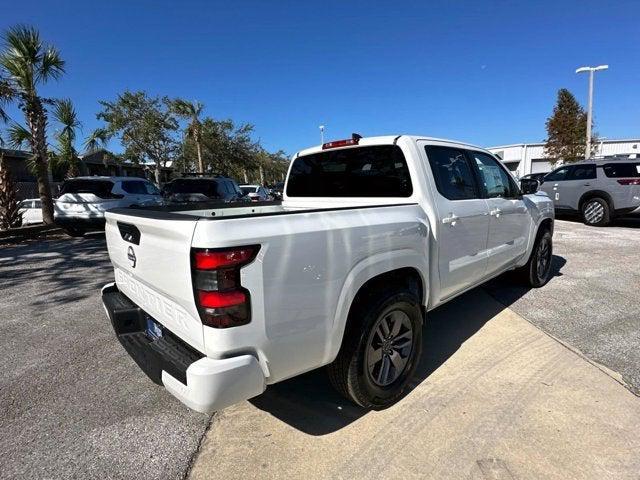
<point x="84" y="200"/>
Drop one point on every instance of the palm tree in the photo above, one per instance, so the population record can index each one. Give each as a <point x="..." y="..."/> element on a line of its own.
<point x="191" y="111"/>
<point x="65" y="114"/>
<point x="96" y="140"/>
<point x="27" y="63"/>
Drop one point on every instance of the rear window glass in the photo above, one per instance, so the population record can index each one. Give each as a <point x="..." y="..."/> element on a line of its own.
<point x="375" y="171"/>
<point x="205" y="187"/>
<point x="134" y="186"/>
<point x="618" y="170"/>
<point x="100" y="188"/>
<point x="248" y="190"/>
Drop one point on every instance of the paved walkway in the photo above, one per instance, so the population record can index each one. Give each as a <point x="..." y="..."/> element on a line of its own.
<point x="495" y="398"/>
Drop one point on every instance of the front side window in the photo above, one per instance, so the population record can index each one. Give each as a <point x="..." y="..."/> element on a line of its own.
<point x="495" y="181"/>
<point x="451" y="172"/>
<point x="558" y="175"/>
<point x="583" y="172"/>
<point x="372" y="171"/>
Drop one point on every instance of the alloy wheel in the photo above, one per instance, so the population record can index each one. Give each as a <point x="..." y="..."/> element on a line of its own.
<point x="389" y="347"/>
<point x="593" y="212"/>
<point x="543" y="260"/>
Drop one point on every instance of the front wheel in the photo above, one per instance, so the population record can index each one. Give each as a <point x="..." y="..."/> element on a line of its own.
<point x="596" y="212"/>
<point x="380" y="353"/>
<point x="537" y="270"/>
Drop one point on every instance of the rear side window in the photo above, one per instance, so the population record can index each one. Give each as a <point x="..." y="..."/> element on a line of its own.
<point x="37" y="204"/>
<point x="135" y="187"/>
<point x="452" y="172"/>
<point x="100" y="188"/>
<point x="375" y="171"/>
<point x="582" y="172"/>
<point x="622" y="170"/>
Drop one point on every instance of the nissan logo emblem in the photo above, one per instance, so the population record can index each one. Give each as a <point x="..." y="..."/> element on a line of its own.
<point x="131" y="255"/>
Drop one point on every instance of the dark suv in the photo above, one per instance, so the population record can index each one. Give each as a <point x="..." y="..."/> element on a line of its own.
<point x="597" y="189"/>
<point x="202" y="189"/>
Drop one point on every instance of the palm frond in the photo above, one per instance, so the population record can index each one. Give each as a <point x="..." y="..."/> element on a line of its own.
<point x="96" y="140"/>
<point x="51" y="66"/>
<point x="65" y="113"/>
<point x="19" y="136"/>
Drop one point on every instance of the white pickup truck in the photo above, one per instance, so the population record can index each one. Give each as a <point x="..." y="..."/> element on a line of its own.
<point x="372" y="233"/>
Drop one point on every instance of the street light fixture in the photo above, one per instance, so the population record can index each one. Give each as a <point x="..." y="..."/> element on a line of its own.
<point x="587" y="153"/>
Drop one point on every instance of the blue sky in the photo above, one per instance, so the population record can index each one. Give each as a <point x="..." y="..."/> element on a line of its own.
<point x="483" y="72"/>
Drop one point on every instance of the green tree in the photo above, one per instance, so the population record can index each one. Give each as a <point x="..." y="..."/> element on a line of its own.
<point x="566" y="129"/>
<point x="65" y="154"/>
<point x="146" y="127"/>
<point x="191" y="111"/>
<point x="26" y="63"/>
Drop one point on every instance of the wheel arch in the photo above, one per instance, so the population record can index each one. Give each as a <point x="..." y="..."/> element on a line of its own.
<point x="596" y="194"/>
<point x="410" y="269"/>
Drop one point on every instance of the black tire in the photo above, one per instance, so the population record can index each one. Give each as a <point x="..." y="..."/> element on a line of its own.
<point x="596" y="212"/>
<point x="350" y="374"/>
<point x="533" y="273"/>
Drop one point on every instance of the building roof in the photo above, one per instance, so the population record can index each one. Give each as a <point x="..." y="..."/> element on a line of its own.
<point x="15" y="153"/>
<point x="541" y="144"/>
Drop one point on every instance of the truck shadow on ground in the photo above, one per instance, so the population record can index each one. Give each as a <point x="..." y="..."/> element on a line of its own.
<point x="310" y="404"/>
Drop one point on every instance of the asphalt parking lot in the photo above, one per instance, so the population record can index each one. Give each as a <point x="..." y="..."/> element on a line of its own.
<point x="74" y="405"/>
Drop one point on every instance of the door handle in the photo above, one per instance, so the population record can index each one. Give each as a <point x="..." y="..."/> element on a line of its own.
<point x="586" y="184"/>
<point x="495" y="212"/>
<point x="452" y="219"/>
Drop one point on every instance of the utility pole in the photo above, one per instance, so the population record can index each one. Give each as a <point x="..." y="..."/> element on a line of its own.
<point x="321" y="127"/>
<point x="591" y="70"/>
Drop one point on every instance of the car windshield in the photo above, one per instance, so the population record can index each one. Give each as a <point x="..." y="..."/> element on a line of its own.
<point x="204" y="187"/>
<point x="100" y="188"/>
<point x="246" y="190"/>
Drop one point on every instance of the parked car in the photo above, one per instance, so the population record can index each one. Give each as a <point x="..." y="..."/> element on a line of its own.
<point x="256" y="193"/>
<point x="539" y="177"/>
<point x="599" y="190"/>
<point x="31" y="210"/>
<point x="373" y="233"/>
<point x="276" y="190"/>
<point x="84" y="200"/>
<point x="202" y="189"/>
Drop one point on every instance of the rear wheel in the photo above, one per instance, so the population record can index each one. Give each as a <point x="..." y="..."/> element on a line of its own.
<point x="596" y="212"/>
<point x="379" y="354"/>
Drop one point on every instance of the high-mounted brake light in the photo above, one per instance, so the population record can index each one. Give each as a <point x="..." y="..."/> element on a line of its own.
<point x="221" y="300"/>
<point x="354" y="140"/>
<point x="629" y="181"/>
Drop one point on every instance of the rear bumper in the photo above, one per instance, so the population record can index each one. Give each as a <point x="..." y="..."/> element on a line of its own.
<point x="203" y="384"/>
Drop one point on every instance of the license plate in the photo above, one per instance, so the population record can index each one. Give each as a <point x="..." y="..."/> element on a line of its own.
<point x="154" y="330"/>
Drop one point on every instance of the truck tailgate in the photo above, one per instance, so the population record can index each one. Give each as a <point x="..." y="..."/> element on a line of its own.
<point x="152" y="263"/>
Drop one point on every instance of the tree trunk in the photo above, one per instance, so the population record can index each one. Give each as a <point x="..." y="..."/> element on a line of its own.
<point x="199" y="150"/>
<point x="37" y="119"/>
<point x="157" y="174"/>
<point x="261" y="175"/>
<point x="244" y="173"/>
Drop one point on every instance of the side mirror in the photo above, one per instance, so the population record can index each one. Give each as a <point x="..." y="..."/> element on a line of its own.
<point x="529" y="185"/>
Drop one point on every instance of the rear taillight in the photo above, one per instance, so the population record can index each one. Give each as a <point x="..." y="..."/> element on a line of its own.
<point x="629" y="181"/>
<point x="221" y="300"/>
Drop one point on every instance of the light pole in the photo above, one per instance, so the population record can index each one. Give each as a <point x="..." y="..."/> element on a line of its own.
<point x="587" y="153"/>
<point x="321" y="127"/>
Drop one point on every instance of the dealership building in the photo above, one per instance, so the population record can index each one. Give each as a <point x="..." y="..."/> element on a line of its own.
<point x="524" y="158"/>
